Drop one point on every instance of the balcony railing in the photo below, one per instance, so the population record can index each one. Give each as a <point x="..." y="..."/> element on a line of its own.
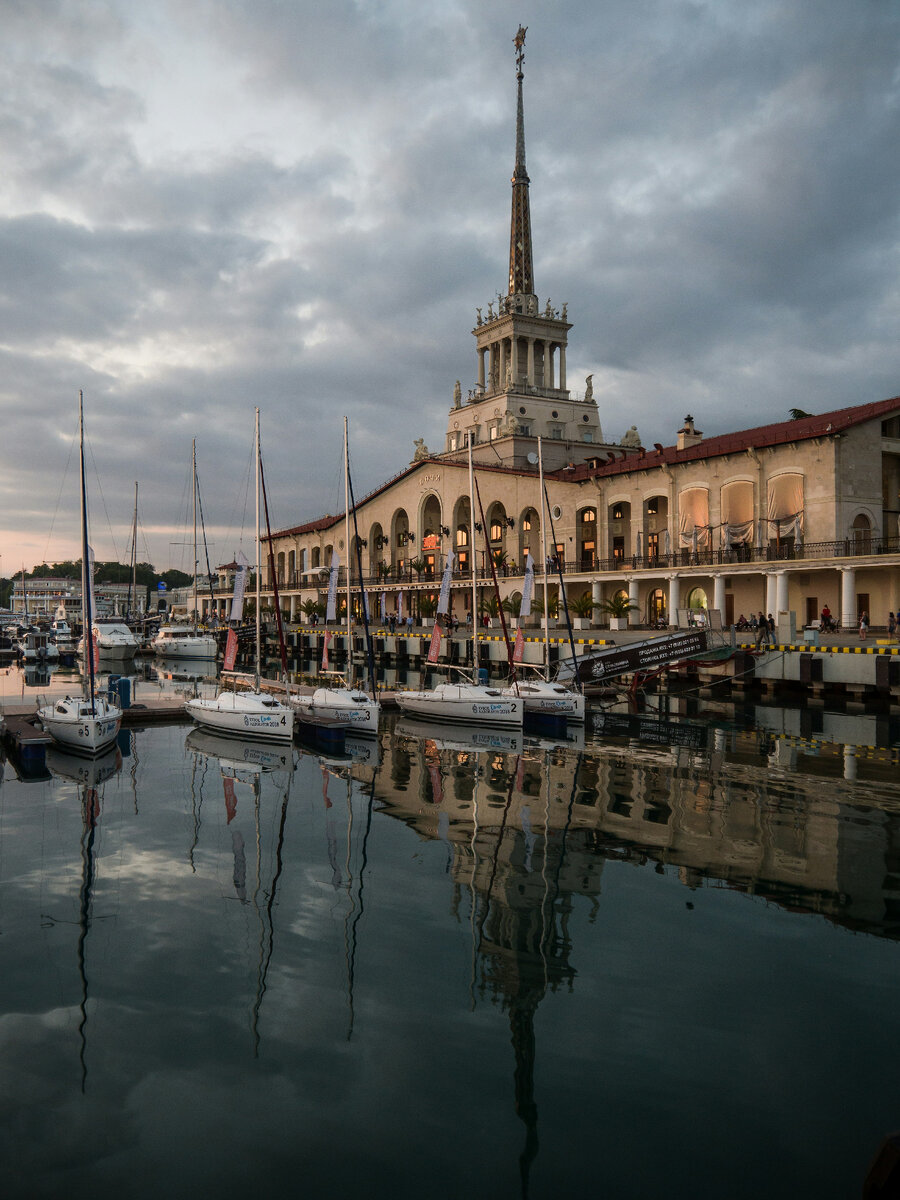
<point x="775" y="552"/>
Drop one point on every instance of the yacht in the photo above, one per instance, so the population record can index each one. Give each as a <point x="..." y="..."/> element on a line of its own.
<point x="348" y="707"/>
<point x="462" y="700"/>
<point x="184" y="641"/>
<point x="113" y="638"/>
<point x="546" y="698"/>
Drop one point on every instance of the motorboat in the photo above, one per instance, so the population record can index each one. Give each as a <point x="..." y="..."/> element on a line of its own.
<point x="34" y="645"/>
<point x="244" y="713"/>
<point x="250" y="711"/>
<point x="464" y="701"/>
<point x="113" y="638"/>
<point x="62" y="635"/>
<point x="349" y="707"/>
<point x="184" y="641"/>
<point x="547" y="698"/>
<point x="90" y="723"/>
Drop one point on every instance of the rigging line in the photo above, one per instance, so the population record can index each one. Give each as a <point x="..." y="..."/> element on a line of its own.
<point x="62" y="484"/>
<point x="565" y="833"/>
<point x="209" y="577"/>
<point x="103" y="498"/>
<point x="473" y="896"/>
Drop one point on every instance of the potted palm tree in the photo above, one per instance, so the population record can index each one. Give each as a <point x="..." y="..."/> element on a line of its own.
<point x="491" y="606"/>
<point x="582" y="611"/>
<point x="537" y="610"/>
<point x="617" y="608"/>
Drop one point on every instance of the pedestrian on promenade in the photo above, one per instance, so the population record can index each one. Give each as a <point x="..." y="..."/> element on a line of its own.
<point x="762" y="628"/>
<point x="892" y="624"/>
<point x="770" y="629"/>
<point x="863" y="624"/>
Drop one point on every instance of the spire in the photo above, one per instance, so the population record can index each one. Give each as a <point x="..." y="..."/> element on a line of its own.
<point x="521" y="273"/>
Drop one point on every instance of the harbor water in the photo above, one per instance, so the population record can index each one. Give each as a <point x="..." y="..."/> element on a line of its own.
<point x="657" y="957"/>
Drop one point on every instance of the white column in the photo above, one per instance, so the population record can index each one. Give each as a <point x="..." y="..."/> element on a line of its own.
<point x="482" y="350"/>
<point x="503" y="361"/>
<point x="548" y="364"/>
<point x="771" y="594"/>
<point x="781" y="592"/>
<point x="597" y="592"/>
<point x="674" y="599"/>
<point x="530" y="366"/>
<point x="634" y="617"/>
<point x="293" y="611"/>
<point x="848" y="597"/>
<point x="719" y="594"/>
<point x="562" y="367"/>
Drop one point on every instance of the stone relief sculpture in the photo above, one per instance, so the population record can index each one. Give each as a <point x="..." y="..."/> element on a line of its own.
<point x="478" y="321"/>
<point x="457" y="395"/>
<point x="565" y="310"/>
<point x="421" y="450"/>
<point x="532" y="306"/>
<point x="509" y="375"/>
<point x="631" y="437"/>
<point x="548" y="311"/>
<point x="490" y="310"/>
<point x="589" y="389"/>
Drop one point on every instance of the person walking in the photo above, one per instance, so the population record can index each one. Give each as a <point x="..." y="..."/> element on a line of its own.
<point x="770" y="630"/>
<point x="863" y="624"/>
<point x="892" y="624"/>
<point x="762" y="628"/>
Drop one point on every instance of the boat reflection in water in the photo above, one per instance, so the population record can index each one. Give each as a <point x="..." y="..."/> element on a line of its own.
<point x="462" y="737"/>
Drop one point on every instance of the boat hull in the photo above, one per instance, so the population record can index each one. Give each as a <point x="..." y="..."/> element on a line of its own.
<point x="83" y="733"/>
<point x="464" y="705"/>
<point x="243" y="714"/>
<point x="333" y="705"/>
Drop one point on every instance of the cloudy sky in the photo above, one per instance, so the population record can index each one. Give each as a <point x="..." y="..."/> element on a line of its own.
<point x="207" y="205"/>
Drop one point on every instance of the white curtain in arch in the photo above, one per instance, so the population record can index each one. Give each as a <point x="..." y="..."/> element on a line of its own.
<point x="693" y="509"/>
<point x="785" y="505"/>
<point x="737" y="512"/>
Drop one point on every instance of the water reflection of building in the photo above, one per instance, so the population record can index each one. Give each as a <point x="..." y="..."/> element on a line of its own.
<point x="727" y="813"/>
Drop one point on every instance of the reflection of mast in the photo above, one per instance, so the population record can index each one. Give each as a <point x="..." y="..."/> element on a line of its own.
<point x="270" y="926"/>
<point x="90" y="812"/>
<point x="351" y="960"/>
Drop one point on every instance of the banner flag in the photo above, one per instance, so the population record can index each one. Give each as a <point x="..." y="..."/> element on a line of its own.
<point x="399" y="607"/>
<point x="519" y="649"/>
<point x="331" y="608"/>
<point x="240" y="584"/>
<point x="231" y="646"/>
<point x="527" y="587"/>
<point x="434" y="650"/>
<point x="444" y="599"/>
<point x="383" y="607"/>
<point x="325" y="644"/>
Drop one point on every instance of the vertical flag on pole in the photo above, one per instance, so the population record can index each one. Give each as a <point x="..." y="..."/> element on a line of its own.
<point x="240" y="583"/>
<point x="399" y="607"/>
<point x="331" y="607"/>
<point x="326" y="641"/>
<point x="519" y="649"/>
<point x="383" y="607"/>
<point x="231" y="645"/>
<point x="434" y="650"/>
<point x="527" y="587"/>
<point x="444" y="598"/>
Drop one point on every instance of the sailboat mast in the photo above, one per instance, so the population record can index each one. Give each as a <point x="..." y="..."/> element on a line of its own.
<point x="194" y="493"/>
<point x="258" y="561"/>
<point x="87" y="616"/>
<point x="472" y="552"/>
<point x="132" y="595"/>
<point x="347" y="523"/>
<point x="544" y="554"/>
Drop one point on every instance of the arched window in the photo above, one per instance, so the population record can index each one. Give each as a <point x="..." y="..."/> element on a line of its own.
<point x="656" y="607"/>
<point x="862" y="534"/>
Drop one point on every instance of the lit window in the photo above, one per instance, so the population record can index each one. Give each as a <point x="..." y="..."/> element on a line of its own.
<point x="589" y="515"/>
<point x="496" y="531"/>
<point x="618" y="512"/>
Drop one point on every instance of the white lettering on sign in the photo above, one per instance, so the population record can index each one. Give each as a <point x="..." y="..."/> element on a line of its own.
<point x="424" y="480"/>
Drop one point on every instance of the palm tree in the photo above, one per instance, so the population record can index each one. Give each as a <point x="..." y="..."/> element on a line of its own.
<point x="512" y="604"/>
<point x="582" y="606"/>
<point x="618" y="605"/>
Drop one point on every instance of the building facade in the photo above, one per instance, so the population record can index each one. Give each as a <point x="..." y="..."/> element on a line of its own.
<point x="784" y="517"/>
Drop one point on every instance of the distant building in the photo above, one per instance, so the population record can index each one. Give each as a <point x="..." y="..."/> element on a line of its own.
<point x="44" y="597"/>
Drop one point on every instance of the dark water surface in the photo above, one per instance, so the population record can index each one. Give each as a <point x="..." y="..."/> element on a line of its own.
<point x="619" y="967"/>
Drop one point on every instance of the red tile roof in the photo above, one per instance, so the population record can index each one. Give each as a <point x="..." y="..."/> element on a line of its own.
<point x="800" y="430"/>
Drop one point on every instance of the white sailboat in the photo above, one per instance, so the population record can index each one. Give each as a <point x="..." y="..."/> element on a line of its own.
<point x="545" y="697"/>
<point x="186" y="640"/>
<point x="462" y="700"/>
<point x="338" y="704"/>
<point x="250" y="713"/>
<point x="88" y="723"/>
